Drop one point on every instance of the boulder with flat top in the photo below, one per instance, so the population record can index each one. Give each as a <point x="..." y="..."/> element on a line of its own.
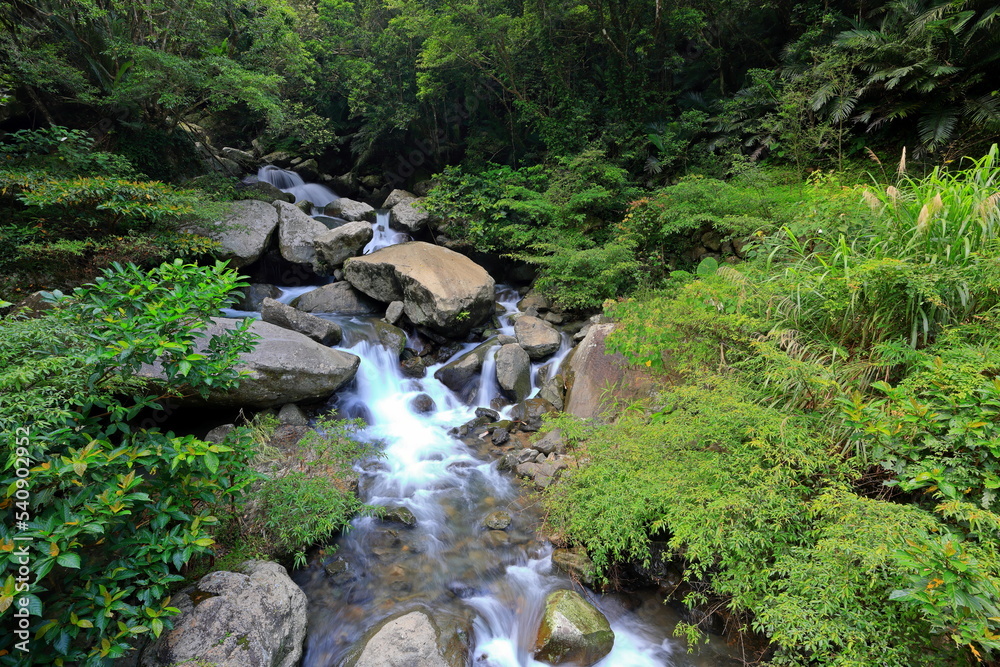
<point x="440" y="289"/>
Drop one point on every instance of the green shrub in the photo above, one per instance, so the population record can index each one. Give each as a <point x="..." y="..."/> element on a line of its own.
<point x="751" y="500"/>
<point x="305" y="506"/>
<point x="113" y="509"/>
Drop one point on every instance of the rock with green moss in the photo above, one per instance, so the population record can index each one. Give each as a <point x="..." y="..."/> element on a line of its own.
<point x="572" y="631"/>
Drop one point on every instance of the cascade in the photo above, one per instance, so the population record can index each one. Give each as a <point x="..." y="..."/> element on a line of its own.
<point x="492" y="583"/>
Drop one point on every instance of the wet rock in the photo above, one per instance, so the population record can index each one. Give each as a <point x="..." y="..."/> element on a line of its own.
<point x="500" y="436"/>
<point x="350" y="210"/>
<point x="575" y="563"/>
<point x="535" y="300"/>
<point x="407" y="216"/>
<point x="504" y="339"/>
<point x="401" y="515"/>
<point x="392" y="338"/>
<point x="246" y="161"/>
<point x="408" y="641"/>
<point x="514" y="371"/>
<point x="447" y="350"/>
<point x="292" y="414"/>
<point x="529" y="413"/>
<point x="344" y="184"/>
<point x="340" y="572"/>
<point x="458" y="375"/>
<point x="423" y="404"/>
<point x="439" y="288"/>
<point x="297" y="234"/>
<point x="281" y="159"/>
<point x="244" y="233"/>
<point x="255" y="294"/>
<point x="393" y="312"/>
<point x="308" y="170"/>
<point x="525" y="455"/>
<point x="507" y="463"/>
<point x="551" y="443"/>
<point x="256" y="616"/>
<point x="538" y="338"/>
<point x="552" y="390"/>
<point x="337" y="297"/>
<point x="486" y="413"/>
<point x="267" y="193"/>
<point x="462" y="590"/>
<point x="397" y="197"/>
<point x="322" y="331"/>
<point x="496" y="539"/>
<point x="498" y="520"/>
<point x="572" y="631"/>
<point x="334" y="246"/>
<point x="413" y="367"/>
<point x="284" y="367"/>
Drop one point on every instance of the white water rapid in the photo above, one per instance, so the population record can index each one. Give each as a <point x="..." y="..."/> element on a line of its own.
<point x="487" y="586"/>
<point x="448" y="565"/>
<point x="289" y="181"/>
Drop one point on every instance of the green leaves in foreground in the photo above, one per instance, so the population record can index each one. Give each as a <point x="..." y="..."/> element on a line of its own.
<point x="114" y="508"/>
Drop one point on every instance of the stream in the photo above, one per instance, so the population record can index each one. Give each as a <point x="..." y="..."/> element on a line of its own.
<point x="487" y="585"/>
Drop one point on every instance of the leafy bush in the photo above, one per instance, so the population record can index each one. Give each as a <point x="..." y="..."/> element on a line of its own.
<point x="307" y="505"/>
<point x="113" y="510"/>
<point x="751" y="501"/>
<point x="61" y="151"/>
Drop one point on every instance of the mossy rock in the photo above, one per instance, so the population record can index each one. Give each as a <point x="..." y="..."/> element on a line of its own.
<point x="572" y="631"/>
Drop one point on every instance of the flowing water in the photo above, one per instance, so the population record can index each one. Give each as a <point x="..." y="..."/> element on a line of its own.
<point x="448" y="565"/>
<point x="383" y="235"/>
<point x="485" y="584"/>
<point x="289" y="181"/>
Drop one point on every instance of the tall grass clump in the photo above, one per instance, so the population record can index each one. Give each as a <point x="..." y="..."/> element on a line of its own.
<point x="929" y="260"/>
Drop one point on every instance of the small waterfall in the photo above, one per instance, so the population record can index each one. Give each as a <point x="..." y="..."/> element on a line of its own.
<point x="289" y="181"/>
<point x="383" y="235"/>
<point x="448" y="565"/>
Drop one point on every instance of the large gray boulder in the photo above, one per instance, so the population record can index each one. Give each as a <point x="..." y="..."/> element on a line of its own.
<point x="246" y="160"/>
<point x="439" y="288"/>
<point x="397" y="196"/>
<point x="297" y="234"/>
<point x="244" y="233"/>
<point x="350" y="210"/>
<point x="572" y="631"/>
<point x="284" y="367"/>
<point x="406" y="217"/>
<point x="538" y="338"/>
<point x="337" y="297"/>
<point x="252" y="618"/>
<point x="514" y="371"/>
<point x="407" y="641"/>
<point x="336" y="245"/>
<point x="322" y="331"/>
<point x="595" y="380"/>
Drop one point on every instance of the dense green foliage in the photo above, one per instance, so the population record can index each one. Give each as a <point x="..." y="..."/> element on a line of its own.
<point x="410" y="86"/>
<point x="69" y="210"/>
<point x="71" y="396"/>
<point x="824" y="460"/>
<point x="115" y="508"/>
